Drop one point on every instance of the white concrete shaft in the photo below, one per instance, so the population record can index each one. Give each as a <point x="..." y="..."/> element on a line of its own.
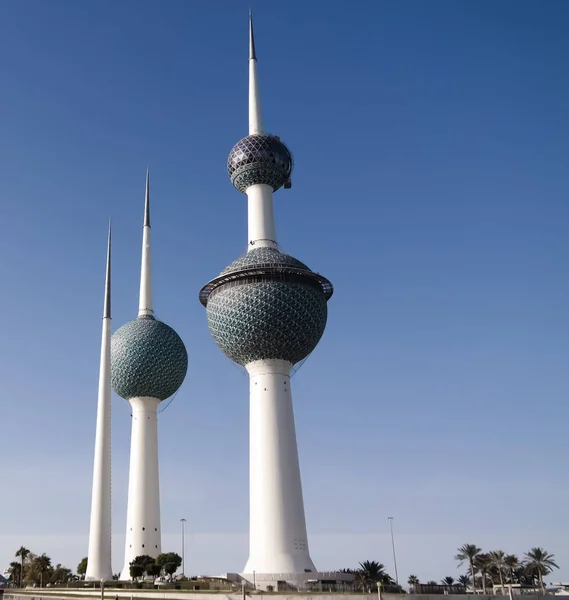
<point x="145" y="300"/>
<point x="143" y="535"/>
<point x="255" y="118"/>
<point x="261" y="217"/>
<point x="277" y="538"/>
<point x="99" y="553"/>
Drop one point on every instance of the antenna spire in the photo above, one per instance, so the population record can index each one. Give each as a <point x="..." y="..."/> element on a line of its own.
<point x="145" y="300"/>
<point x="255" y="117"/>
<point x="107" y="305"/>
<point x="147" y="200"/>
<point x="252" y="55"/>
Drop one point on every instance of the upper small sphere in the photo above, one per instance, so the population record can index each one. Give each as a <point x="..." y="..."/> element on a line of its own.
<point x="148" y="358"/>
<point x="259" y="158"/>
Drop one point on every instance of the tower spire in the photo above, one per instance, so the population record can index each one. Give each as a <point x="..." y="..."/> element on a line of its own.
<point x="99" y="553"/>
<point x="145" y="302"/>
<point x="255" y="116"/>
<point x="107" y="304"/>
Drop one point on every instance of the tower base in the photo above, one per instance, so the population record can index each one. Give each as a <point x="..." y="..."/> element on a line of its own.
<point x="281" y="582"/>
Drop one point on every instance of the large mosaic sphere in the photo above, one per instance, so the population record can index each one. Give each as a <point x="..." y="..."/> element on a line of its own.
<point x="259" y="158"/>
<point x="267" y="305"/>
<point x="148" y="358"/>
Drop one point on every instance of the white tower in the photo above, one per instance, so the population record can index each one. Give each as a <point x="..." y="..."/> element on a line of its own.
<point x="148" y="365"/>
<point x="267" y="311"/>
<point x="99" y="555"/>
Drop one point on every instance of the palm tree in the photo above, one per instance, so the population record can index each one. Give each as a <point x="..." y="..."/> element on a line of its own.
<point x="482" y="563"/>
<point x="372" y="572"/>
<point x="512" y="564"/>
<point x="15" y="574"/>
<point x="469" y="552"/>
<point x="497" y="559"/>
<point x="540" y="561"/>
<point x="464" y="580"/>
<point x="23" y="553"/>
<point x="413" y="581"/>
<point x="447" y="580"/>
<point x="42" y="564"/>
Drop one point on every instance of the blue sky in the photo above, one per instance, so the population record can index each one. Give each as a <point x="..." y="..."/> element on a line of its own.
<point x="430" y="186"/>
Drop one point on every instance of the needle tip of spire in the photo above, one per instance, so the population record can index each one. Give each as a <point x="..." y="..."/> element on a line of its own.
<point x="252" y="54"/>
<point x="107" y="305"/>
<point x="147" y="200"/>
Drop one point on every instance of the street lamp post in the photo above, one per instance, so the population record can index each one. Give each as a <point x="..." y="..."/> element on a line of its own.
<point x="390" y="519"/>
<point x="183" y="522"/>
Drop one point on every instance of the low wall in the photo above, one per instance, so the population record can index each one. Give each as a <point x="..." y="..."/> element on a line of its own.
<point x="110" y="594"/>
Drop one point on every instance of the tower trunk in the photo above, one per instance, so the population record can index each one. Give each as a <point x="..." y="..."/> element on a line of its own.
<point x="278" y="541"/>
<point x="143" y="535"/>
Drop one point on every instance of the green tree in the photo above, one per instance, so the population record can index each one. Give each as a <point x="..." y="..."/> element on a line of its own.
<point x="468" y="552"/>
<point x="60" y="575"/>
<point x="541" y="562"/>
<point x="140" y="564"/>
<point x="412" y="581"/>
<point x="40" y="569"/>
<point x="153" y="570"/>
<point x="143" y="560"/>
<point x="22" y="553"/>
<point x="447" y="580"/>
<point x="82" y="567"/>
<point x="135" y="571"/>
<point x="170" y="562"/>
<point x="464" y="580"/>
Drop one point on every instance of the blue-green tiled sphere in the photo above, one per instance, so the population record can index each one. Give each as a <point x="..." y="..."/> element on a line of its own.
<point x="148" y="358"/>
<point x="279" y="312"/>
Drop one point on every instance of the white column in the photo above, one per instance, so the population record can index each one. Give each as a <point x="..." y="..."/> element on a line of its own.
<point x="99" y="553"/>
<point x="145" y="298"/>
<point x="278" y="541"/>
<point x="255" y="118"/>
<point x="261" y="218"/>
<point x="143" y="534"/>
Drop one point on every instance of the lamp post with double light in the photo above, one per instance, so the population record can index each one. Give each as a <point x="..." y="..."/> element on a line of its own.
<point x="183" y="522"/>
<point x="390" y="519"/>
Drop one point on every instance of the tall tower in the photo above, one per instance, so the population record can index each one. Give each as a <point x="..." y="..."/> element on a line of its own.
<point x="148" y="365"/>
<point x="99" y="555"/>
<point x="267" y="311"/>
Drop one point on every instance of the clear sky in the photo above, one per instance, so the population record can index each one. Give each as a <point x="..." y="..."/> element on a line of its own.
<point x="431" y="186"/>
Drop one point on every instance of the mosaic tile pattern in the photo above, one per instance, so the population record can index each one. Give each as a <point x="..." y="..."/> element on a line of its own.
<point x="148" y="358"/>
<point x="259" y="158"/>
<point x="262" y="257"/>
<point x="270" y="319"/>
